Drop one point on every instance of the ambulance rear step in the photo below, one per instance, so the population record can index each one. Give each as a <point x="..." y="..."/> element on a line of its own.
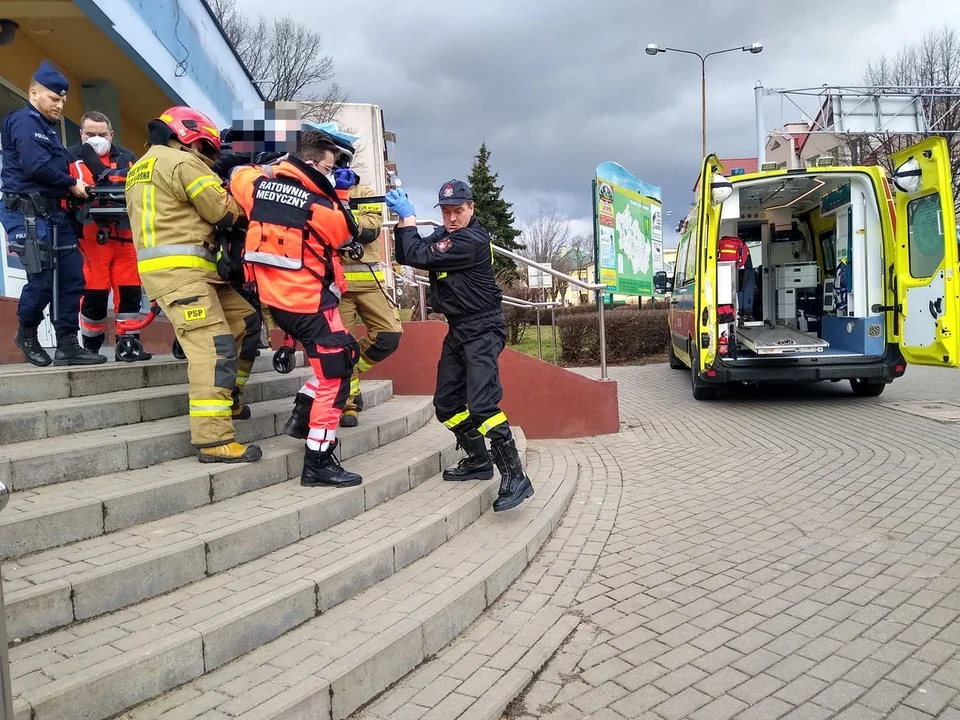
<point x="779" y="340"/>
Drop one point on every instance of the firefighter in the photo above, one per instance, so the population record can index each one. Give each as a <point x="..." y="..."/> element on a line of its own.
<point x="459" y="257"/>
<point x="176" y="206"/>
<point x="365" y="297"/>
<point x="109" y="258"/>
<point x="296" y="226"/>
<point x="35" y="180"/>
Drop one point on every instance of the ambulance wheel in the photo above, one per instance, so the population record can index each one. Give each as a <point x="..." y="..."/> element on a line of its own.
<point x="865" y="388"/>
<point x="700" y="390"/>
<point x="178" y="352"/>
<point x="129" y="349"/>
<point x="675" y="362"/>
<point x="284" y="360"/>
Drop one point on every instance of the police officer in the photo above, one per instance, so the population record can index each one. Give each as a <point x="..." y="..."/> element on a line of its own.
<point x="296" y="225"/>
<point x="109" y="258"/>
<point x="365" y="298"/>
<point x="35" y="179"/>
<point x="176" y="205"/>
<point x="459" y="257"/>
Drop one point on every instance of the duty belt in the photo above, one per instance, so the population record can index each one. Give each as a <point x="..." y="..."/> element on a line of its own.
<point x="30" y="204"/>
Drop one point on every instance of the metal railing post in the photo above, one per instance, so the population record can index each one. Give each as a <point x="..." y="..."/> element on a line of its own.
<point x="539" y="347"/>
<point x="423" y="301"/>
<point x="6" y="690"/>
<point x="553" y="330"/>
<point x="603" y="337"/>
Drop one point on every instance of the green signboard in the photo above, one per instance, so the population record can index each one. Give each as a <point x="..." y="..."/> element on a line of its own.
<point x="629" y="231"/>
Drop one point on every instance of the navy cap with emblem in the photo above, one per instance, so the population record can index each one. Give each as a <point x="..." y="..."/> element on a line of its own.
<point x="51" y="78"/>
<point x="454" y="192"/>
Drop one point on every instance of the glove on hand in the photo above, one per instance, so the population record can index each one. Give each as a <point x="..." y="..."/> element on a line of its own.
<point x="227" y="161"/>
<point x="399" y="203"/>
<point x="346" y="178"/>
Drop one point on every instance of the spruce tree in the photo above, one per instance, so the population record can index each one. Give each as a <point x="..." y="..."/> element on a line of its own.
<point x="494" y="212"/>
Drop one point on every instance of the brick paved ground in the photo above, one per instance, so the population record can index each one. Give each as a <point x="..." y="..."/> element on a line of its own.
<point x="786" y="553"/>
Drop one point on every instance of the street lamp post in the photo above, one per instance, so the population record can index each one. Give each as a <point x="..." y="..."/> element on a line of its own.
<point x="654" y="49"/>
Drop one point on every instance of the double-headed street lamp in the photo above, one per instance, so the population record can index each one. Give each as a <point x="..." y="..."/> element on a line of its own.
<point x="653" y="49"/>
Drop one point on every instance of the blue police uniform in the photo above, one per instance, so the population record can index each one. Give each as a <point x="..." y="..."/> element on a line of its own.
<point x="34" y="181"/>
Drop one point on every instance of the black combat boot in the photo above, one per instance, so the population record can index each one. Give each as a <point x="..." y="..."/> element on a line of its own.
<point x="515" y="486"/>
<point x="321" y="468"/>
<point x="240" y="410"/>
<point x="26" y="339"/>
<point x="69" y="351"/>
<point x="298" y="424"/>
<point x="476" y="465"/>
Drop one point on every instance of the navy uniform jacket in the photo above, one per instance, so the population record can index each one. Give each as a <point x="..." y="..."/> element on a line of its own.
<point x="460" y="263"/>
<point x="34" y="159"/>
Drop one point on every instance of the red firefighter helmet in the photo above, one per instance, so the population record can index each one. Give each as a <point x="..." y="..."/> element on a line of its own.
<point x="190" y="125"/>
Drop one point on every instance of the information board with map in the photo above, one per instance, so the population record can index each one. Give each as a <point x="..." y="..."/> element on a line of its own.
<point x="628" y="227"/>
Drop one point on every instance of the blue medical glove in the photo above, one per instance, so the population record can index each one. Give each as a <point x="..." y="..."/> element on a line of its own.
<point x="399" y="203"/>
<point x="346" y="178"/>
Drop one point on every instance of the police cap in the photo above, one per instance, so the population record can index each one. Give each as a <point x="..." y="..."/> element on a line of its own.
<point x="454" y="192"/>
<point x="51" y="78"/>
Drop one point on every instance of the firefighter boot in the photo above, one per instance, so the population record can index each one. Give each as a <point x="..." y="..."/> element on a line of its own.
<point x="298" y="424"/>
<point x="349" y="418"/>
<point x="322" y="469"/>
<point x="232" y="452"/>
<point x="476" y="465"/>
<point x="515" y="486"/>
<point x="26" y="339"/>
<point x="69" y="351"/>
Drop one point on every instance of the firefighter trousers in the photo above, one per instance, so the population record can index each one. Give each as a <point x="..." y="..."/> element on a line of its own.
<point x="366" y="302"/>
<point x="219" y="332"/>
<point x="332" y="353"/>
<point x="468" y="390"/>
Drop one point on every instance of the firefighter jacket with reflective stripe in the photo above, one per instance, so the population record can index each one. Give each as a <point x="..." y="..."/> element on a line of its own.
<point x="369" y="217"/>
<point x="296" y="224"/>
<point x="175" y="203"/>
<point x="119" y="159"/>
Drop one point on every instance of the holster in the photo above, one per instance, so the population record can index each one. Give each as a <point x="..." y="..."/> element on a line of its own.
<point x="36" y="256"/>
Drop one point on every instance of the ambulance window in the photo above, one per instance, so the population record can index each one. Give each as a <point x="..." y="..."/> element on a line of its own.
<point x="925" y="234"/>
<point x="690" y="269"/>
<point x="679" y="270"/>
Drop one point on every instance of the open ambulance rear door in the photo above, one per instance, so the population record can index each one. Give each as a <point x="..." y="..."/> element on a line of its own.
<point x="925" y="257"/>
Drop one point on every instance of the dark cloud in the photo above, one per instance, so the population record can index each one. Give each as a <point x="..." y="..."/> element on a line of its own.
<point x="555" y="88"/>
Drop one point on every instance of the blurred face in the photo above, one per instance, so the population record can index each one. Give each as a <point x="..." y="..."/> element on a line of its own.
<point x="91" y="128"/>
<point x="47" y="102"/>
<point x="456" y="217"/>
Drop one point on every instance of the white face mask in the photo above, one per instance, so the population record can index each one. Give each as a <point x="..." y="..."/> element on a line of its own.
<point x="100" y="144"/>
<point x="332" y="178"/>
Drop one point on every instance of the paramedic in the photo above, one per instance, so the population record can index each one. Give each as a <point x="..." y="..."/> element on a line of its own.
<point x="459" y="257"/>
<point x="176" y="206"/>
<point x="296" y="225"/>
<point x="35" y="180"/>
<point x="109" y="258"/>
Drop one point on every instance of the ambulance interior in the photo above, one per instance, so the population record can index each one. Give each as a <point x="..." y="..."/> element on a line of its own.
<point x="814" y="271"/>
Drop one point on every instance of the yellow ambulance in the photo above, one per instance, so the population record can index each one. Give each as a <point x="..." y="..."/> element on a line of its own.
<point x="843" y="279"/>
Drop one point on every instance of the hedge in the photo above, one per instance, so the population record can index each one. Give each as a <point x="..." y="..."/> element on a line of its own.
<point x="631" y="335"/>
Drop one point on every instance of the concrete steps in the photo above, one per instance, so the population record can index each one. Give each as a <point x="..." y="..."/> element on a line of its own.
<point x="54" y="515"/>
<point x="138" y="581"/>
<point x="333" y="664"/>
<point x="89" y="578"/>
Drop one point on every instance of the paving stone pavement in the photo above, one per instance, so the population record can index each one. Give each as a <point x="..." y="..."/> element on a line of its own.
<point x="777" y="553"/>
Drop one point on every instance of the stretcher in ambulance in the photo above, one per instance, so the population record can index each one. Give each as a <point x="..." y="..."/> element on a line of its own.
<point x="845" y="278"/>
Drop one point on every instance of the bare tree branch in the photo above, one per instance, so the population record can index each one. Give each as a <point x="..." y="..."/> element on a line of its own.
<point x="286" y="56"/>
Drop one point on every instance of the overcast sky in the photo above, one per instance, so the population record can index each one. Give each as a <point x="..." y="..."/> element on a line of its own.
<point x="555" y="87"/>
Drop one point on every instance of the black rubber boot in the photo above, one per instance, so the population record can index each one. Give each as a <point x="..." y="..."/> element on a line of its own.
<point x="322" y="469"/>
<point x="69" y="351"/>
<point x="515" y="486"/>
<point x="476" y="465"/>
<point x="298" y="424"/>
<point x="239" y="410"/>
<point x="93" y="344"/>
<point x="26" y="339"/>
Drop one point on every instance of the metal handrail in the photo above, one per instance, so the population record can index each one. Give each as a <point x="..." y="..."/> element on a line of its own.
<point x="597" y="289"/>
